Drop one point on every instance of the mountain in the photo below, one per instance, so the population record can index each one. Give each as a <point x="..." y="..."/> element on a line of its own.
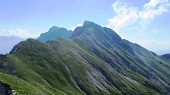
<point x="7" y="43"/>
<point x="94" y="61"/>
<point x="154" y="46"/>
<point x="166" y="57"/>
<point x="53" y="33"/>
<point x="162" y="52"/>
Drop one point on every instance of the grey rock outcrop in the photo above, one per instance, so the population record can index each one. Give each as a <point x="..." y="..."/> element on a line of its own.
<point x="5" y="65"/>
<point x="5" y="89"/>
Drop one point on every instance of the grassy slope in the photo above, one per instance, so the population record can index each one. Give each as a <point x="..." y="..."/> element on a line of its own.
<point x="160" y="66"/>
<point x="94" y="61"/>
<point x="36" y="64"/>
<point x="45" y="67"/>
<point x="22" y="87"/>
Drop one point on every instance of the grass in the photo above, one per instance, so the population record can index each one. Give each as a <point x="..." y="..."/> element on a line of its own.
<point x="51" y="69"/>
<point x="40" y="69"/>
<point x="22" y="87"/>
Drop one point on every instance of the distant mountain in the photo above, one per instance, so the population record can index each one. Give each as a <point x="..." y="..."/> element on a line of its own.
<point x="161" y="52"/>
<point x="155" y="47"/>
<point x="166" y="57"/>
<point x="53" y="33"/>
<point x="94" y="61"/>
<point x="7" y="43"/>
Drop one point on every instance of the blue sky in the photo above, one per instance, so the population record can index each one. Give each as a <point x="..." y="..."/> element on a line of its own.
<point x="144" y="22"/>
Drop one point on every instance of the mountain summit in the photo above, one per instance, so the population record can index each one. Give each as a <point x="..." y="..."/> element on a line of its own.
<point x="94" y="61"/>
<point x="53" y="33"/>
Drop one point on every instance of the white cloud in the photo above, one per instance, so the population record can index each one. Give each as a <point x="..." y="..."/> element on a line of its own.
<point x="127" y="14"/>
<point x="154" y="3"/>
<point x="19" y="33"/>
<point x="76" y="26"/>
<point x="22" y="33"/>
<point x="153" y="8"/>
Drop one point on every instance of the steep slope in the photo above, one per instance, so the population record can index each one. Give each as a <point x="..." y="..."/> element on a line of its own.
<point x="53" y="33"/>
<point x="63" y="65"/>
<point x="121" y="54"/>
<point x="36" y="63"/>
<point x="96" y="77"/>
<point x="95" y="61"/>
<point x="158" y="68"/>
<point x="96" y="36"/>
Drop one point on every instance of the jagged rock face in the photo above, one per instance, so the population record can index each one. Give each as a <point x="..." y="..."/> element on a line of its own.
<point x="93" y="34"/>
<point x="5" y="89"/>
<point x="101" y="40"/>
<point x="53" y="33"/>
<point x="96" y="32"/>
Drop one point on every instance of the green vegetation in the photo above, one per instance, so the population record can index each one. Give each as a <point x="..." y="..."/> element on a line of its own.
<point x="22" y="87"/>
<point x="96" y="61"/>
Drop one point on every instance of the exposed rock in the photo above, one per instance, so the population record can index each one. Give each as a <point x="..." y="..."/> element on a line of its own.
<point x="14" y="50"/>
<point x="5" y="65"/>
<point x="5" y="89"/>
<point x="95" y="60"/>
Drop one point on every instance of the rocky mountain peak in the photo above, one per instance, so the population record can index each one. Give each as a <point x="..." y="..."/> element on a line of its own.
<point x="90" y="24"/>
<point x="95" y="61"/>
<point x="53" y="33"/>
<point x="53" y="28"/>
<point x="98" y="34"/>
<point x="90" y="29"/>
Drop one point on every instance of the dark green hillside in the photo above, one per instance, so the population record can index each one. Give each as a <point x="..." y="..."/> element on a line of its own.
<point x="37" y="63"/>
<point x="95" y="61"/>
<point x="65" y="66"/>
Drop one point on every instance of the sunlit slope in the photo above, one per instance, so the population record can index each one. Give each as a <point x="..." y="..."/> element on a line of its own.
<point x="95" y="61"/>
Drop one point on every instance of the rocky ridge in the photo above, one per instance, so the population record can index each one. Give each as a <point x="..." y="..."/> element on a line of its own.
<point x="95" y="61"/>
